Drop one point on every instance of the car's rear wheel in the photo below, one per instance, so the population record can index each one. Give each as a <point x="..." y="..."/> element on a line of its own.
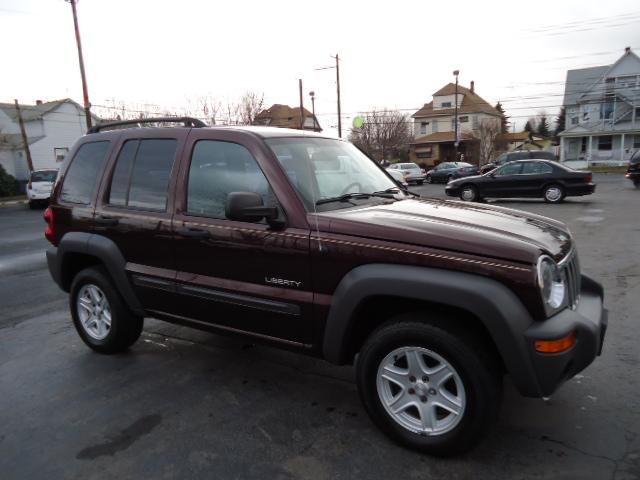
<point x="449" y="178"/>
<point x="553" y="193"/>
<point x="99" y="314"/>
<point x="469" y="193"/>
<point x="427" y="388"/>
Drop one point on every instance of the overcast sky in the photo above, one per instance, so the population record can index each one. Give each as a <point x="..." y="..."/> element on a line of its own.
<point x="394" y="53"/>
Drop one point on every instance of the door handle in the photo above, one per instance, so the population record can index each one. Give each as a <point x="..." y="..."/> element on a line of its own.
<point x="106" y="221"/>
<point x="193" y="233"/>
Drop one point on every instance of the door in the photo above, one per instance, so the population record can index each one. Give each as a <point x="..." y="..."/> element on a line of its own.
<point x="533" y="177"/>
<point x="238" y="276"/>
<point x="504" y="181"/>
<point x="134" y="209"/>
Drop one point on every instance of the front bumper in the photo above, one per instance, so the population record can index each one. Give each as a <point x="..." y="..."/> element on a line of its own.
<point x="452" y="190"/>
<point x="588" y="321"/>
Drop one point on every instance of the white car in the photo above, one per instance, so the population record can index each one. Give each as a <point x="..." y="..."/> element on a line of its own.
<point x="398" y="176"/>
<point x="40" y="186"/>
<point x="410" y="171"/>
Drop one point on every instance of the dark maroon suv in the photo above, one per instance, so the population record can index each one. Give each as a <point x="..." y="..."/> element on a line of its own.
<point x="303" y="242"/>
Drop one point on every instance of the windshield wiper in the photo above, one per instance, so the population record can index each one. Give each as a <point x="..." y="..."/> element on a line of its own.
<point x="403" y="190"/>
<point x="347" y="196"/>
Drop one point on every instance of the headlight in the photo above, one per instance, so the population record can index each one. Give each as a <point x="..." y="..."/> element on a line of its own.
<point x="551" y="283"/>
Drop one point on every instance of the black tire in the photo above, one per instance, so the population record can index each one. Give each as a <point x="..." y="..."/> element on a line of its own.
<point x="420" y="182"/>
<point x="32" y="204"/>
<point x="125" y="326"/>
<point x="636" y="182"/>
<point x="476" y="368"/>
<point x="429" y="179"/>
<point x="474" y="197"/>
<point x="449" y="178"/>
<point x="551" y="198"/>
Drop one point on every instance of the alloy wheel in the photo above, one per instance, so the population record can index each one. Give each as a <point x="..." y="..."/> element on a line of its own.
<point x="421" y="391"/>
<point x="94" y="311"/>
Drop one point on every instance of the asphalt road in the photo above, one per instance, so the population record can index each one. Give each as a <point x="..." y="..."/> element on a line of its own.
<point x="186" y="404"/>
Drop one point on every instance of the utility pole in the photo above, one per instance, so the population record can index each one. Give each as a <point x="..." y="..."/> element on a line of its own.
<point x="455" y="135"/>
<point x="25" y="141"/>
<point x="85" y="91"/>
<point x="338" y="88"/>
<point x="337" y="67"/>
<point x="301" y="106"/>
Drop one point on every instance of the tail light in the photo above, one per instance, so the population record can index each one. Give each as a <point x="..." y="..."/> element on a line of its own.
<point x="29" y="185"/>
<point x="50" y="231"/>
<point x="588" y="178"/>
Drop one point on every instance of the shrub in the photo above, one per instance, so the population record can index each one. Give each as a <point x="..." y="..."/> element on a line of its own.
<point x="9" y="186"/>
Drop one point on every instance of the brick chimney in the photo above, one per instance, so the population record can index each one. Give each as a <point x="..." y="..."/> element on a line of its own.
<point x="38" y="102"/>
<point x="627" y="49"/>
<point x="473" y="86"/>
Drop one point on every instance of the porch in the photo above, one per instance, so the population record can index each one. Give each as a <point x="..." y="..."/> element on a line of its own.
<point x="609" y="149"/>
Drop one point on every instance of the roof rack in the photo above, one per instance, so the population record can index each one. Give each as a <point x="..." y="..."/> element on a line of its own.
<point x="186" y="121"/>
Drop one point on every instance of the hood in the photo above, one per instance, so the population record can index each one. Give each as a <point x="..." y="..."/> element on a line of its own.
<point x="477" y="229"/>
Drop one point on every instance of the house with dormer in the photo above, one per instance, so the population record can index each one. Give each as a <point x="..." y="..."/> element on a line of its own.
<point x="434" y="124"/>
<point x="602" y="110"/>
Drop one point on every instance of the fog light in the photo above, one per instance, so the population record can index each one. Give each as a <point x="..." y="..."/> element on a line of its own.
<point x="557" y="345"/>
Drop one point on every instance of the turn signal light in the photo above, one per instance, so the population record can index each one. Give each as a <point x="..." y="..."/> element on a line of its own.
<point x="556" y="346"/>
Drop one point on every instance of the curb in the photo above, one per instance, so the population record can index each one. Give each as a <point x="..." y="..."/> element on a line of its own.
<point x="13" y="202"/>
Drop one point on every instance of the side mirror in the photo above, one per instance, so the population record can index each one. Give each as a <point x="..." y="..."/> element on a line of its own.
<point x="248" y="207"/>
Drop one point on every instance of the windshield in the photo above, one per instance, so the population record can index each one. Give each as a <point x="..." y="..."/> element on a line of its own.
<point x="44" y="176"/>
<point x="323" y="168"/>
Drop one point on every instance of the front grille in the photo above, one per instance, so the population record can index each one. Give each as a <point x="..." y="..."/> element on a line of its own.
<point x="571" y="268"/>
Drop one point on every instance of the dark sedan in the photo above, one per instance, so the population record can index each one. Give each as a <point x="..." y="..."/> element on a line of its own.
<point x="524" y="178"/>
<point x="633" y="170"/>
<point x="447" y="171"/>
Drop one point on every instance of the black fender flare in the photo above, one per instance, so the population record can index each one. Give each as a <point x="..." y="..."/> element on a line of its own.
<point x="104" y="250"/>
<point x="497" y="307"/>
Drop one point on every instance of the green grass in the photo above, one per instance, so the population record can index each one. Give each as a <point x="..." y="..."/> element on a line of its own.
<point x="607" y="169"/>
<point x="11" y="199"/>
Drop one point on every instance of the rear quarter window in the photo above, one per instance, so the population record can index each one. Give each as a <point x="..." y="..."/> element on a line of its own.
<point x="83" y="173"/>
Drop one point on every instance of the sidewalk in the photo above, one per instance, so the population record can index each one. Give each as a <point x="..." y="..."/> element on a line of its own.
<point x="17" y="200"/>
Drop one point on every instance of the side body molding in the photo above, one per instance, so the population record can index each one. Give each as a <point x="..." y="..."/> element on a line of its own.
<point x="497" y="307"/>
<point x="97" y="246"/>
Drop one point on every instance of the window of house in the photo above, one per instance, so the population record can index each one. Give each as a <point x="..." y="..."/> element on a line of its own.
<point x="427" y="153"/>
<point x="475" y="122"/>
<point x="606" y="107"/>
<point x="626" y="81"/>
<point x="585" y="116"/>
<point x="464" y="119"/>
<point x="636" y="141"/>
<point x="637" y="114"/>
<point x="446" y="105"/>
<point x="217" y="169"/>
<point x="141" y="177"/>
<point x="583" y="145"/>
<point x="605" y="142"/>
<point x="80" y="179"/>
<point x="574" y="120"/>
<point x="60" y="153"/>
<point x="434" y="127"/>
<point x="423" y="127"/>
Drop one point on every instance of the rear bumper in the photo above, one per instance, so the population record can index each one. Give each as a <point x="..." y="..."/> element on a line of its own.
<point x="588" y="321"/>
<point x="586" y="189"/>
<point x="38" y="196"/>
<point x="414" y="178"/>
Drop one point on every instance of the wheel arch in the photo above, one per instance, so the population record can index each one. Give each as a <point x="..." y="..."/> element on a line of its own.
<point x="480" y="303"/>
<point x="79" y="250"/>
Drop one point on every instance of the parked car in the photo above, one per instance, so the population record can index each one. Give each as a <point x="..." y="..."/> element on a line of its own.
<point x="633" y="170"/>
<point x="519" y="155"/>
<point x="301" y="241"/>
<point x="411" y="171"/>
<point x="398" y="176"/>
<point x="446" y="171"/>
<point x="40" y="186"/>
<point x="524" y="178"/>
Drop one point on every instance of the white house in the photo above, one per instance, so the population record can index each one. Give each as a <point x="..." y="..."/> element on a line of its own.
<point x="434" y="124"/>
<point x="51" y="128"/>
<point x="602" y="108"/>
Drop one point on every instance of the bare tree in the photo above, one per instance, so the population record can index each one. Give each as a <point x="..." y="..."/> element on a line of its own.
<point x="487" y="137"/>
<point x="384" y="133"/>
<point x="251" y="104"/>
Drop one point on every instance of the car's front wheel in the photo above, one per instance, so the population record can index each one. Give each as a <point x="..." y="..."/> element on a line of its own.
<point x="553" y="194"/>
<point x="427" y="388"/>
<point x="99" y="314"/>
<point x="469" y="193"/>
<point x="429" y="179"/>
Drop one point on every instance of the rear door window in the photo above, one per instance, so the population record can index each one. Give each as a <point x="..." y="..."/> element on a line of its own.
<point x="536" y="168"/>
<point x="81" y="177"/>
<point x="142" y="173"/>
